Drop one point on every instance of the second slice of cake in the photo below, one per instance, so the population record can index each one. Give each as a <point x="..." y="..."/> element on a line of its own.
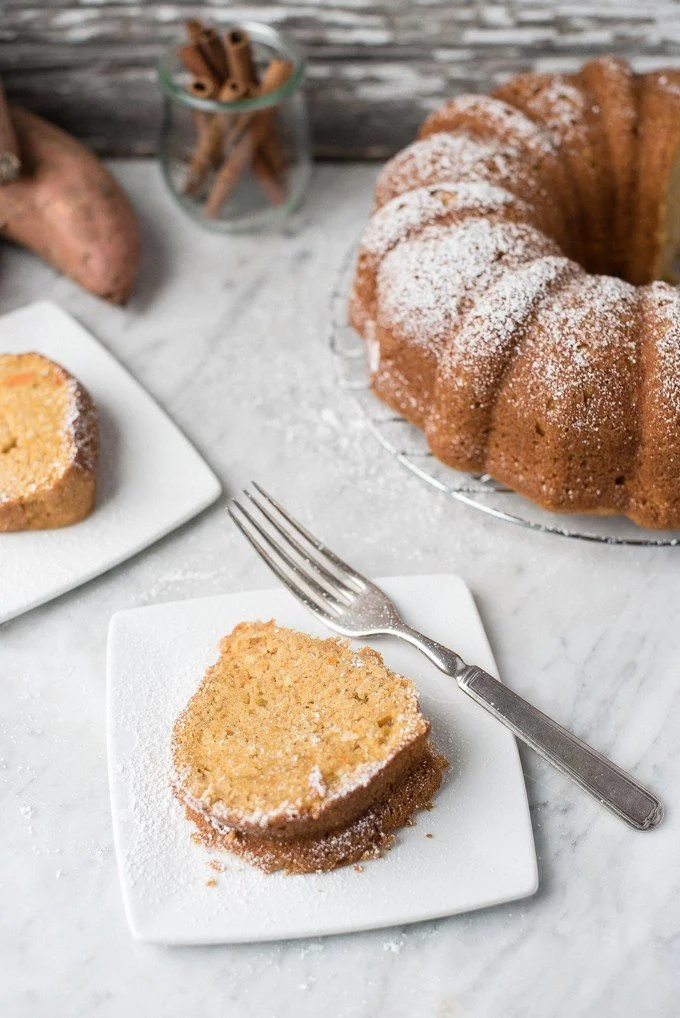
<point x="302" y="754"/>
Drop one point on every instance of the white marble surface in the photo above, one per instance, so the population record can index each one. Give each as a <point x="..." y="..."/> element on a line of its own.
<point x="230" y="336"/>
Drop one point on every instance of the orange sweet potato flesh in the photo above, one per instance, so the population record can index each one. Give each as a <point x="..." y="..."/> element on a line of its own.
<point x="70" y="211"/>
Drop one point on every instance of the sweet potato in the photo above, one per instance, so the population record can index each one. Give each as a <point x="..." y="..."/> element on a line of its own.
<point x="10" y="159"/>
<point x="69" y="210"/>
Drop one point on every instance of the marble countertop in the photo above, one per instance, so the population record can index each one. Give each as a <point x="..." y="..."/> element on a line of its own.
<point x="230" y="335"/>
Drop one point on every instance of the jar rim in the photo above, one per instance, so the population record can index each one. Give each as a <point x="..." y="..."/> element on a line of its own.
<point x="258" y="31"/>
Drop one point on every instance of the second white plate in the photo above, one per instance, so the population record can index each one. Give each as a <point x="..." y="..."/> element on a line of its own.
<point x="151" y="479"/>
<point x="481" y="851"/>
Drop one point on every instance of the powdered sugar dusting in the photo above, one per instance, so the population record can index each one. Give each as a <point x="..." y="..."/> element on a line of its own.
<point x="422" y="206"/>
<point x="451" y="157"/>
<point x="663" y="319"/>
<point x="366" y="836"/>
<point x="316" y="781"/>
<point x="497" y="315"/>
<point x="563" y="109"/>
<point x="495" y="119"/>
<point x="581" y="346"/>
<point x="423" y="284"/>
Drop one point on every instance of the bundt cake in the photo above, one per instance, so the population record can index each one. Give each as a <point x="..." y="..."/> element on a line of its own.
<point x="509" y="287"/>
<point x="301" y="754"/>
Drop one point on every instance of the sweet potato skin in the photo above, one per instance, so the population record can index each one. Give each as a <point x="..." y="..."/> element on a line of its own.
<point x="70" y="211"/>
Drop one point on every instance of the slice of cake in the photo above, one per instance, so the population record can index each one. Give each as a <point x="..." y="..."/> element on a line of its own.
<point x="49" y="444"/>
<point x="302" y="754"/>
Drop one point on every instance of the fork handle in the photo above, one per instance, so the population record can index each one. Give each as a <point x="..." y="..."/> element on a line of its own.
<point x="606" y="782"/>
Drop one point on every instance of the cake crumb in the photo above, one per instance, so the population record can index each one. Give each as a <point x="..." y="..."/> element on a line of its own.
<point x="358" y="868"/>
<point x="428" y="835"/>
<point x="217" y="865"/>
<point x="211" y="883"/>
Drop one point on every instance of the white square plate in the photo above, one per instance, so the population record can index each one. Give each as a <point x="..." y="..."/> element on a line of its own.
<point x="481" y="851"/>
<point x="151" y="479"/>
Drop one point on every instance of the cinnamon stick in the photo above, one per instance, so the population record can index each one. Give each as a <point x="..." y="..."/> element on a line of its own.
<point x="269" y="178"/>
<point x="211" y="46"/>
<point x="202" y="88"/>
<point x="10" y="159"/>
<point x="193" y="28"/>
<point x="211" y="140"/>
<point x="240" y="57"/>
<point x="195" y="61"/>
<point x="246" y="137"/>
<point x="269" y="160"/>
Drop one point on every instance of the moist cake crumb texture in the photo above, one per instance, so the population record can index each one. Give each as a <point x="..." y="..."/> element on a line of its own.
<point x="301" y="753"/>
<point x="49" y="444"/>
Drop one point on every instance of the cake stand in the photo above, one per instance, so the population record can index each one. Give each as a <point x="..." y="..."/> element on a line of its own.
<point x="407" y="444"/>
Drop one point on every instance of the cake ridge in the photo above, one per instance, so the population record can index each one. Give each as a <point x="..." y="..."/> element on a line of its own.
<point x="492" y="117"/>
<point x="446" y="261"/>
<point x="406" y="216"/>
<point x="482" y="351"/>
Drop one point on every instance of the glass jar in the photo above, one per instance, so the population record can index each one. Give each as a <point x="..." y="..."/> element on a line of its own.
<point x="209" y="150"/>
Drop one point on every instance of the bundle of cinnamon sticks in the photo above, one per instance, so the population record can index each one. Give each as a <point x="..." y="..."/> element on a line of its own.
<point x="230" y="144"/>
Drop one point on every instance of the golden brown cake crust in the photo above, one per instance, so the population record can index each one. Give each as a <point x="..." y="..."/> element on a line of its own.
<point x="366" y="837"/>
<point x="611" y="85"/>
<point x="659" y="153"/>
<point x="49" y="445"/>
<point x="289" y="735"/>
<point x="487" y="324"/>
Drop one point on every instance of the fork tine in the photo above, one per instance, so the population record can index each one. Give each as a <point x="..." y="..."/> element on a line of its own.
<point x="295" y="590"/>
<point x="338" y="587"/>
<point x="348" y="573"/>
<point x="274" y="555"/>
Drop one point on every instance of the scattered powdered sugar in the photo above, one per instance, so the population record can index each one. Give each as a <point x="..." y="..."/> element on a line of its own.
<point x="497" y="119"/>
<point x="372" y="348"/>
<point x="422" y="206"/>
<point x="669" y="85"/>
<point x="577" y="351"/>
<point x="423" y="283"/>
<point x="563" y="109"/>
<point x="316" y="781"/>
<point x="498" y="314"/>
<point x="448" y="157"/>
<point x="478" y="355"/>
<point x="662" y="305"/>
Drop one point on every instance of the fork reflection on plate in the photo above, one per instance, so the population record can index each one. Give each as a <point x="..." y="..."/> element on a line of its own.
<point x="352" y="605"/>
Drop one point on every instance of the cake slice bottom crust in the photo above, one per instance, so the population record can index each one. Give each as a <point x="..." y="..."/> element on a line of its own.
<point x="366" y="837"/>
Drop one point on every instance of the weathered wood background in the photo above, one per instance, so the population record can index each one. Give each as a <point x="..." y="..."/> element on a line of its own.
<point x="374" y="68"/>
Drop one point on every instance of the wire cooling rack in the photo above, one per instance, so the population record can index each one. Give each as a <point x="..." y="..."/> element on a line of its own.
<point x="408" y="445"/>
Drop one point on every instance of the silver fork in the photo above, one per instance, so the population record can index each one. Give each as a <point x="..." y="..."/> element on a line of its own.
<point x="350" y="604"/>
